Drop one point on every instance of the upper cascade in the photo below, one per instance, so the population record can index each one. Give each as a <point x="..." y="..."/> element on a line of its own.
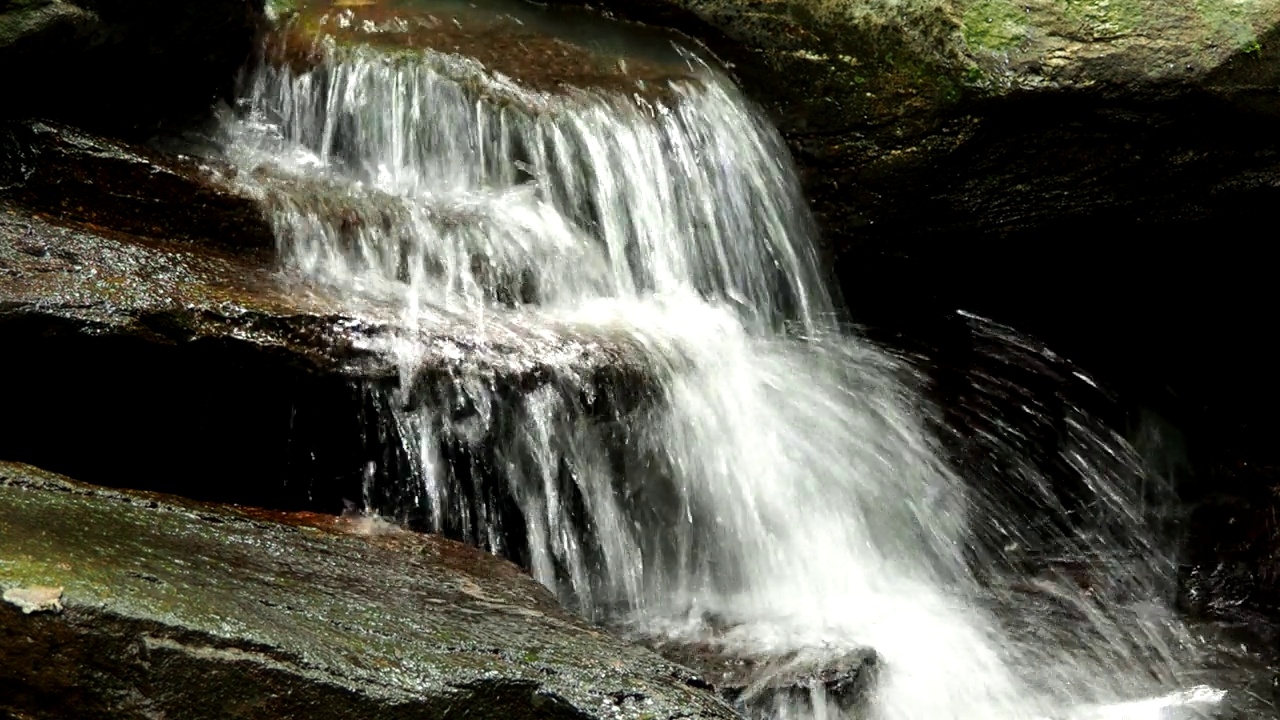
<point x="389" y="163"/>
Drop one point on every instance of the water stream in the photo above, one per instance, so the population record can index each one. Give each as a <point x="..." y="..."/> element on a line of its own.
<point x="779" y="486"/>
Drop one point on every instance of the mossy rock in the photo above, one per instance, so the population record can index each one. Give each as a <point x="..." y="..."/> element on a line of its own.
<point x="130" y="605"/>
<point x="888" y="69"/>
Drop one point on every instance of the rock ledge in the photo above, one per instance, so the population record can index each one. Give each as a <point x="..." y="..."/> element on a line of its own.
<point x="178" y="609"/>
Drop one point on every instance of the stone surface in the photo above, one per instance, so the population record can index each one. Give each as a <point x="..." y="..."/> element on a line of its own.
<point x="124" y="65"/>
<point x="92" y="238"/>
<point x="757" y="684"/>
<point x="178" y="609"/>
<point x="96" y="282"/>
<point x="75" y="175"/>
<point x="536" y="49"/>
<point x="859" y="72"/>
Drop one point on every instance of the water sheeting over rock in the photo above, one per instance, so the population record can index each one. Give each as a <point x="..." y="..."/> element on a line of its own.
<point x="137" y="272"/>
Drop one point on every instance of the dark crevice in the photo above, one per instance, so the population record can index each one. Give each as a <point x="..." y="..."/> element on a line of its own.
<point x="200" y="419"/>
<point x="215" y="422"/>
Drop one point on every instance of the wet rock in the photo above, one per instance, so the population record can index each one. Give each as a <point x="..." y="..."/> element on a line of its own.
<point x="481" y="48"/>
<point x="122" y="65"/>
<point x="758" y="684"/>
<point x="842" y="682"/>
<point x="186" y="610"/>
<point x="129" y="356"/>
<point x="79" y="176"/>
<point x="63" y="278"/>
<point x="1232" y="567"/>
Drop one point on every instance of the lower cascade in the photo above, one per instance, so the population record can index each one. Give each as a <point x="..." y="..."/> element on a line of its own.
<point x="766" y="483"/>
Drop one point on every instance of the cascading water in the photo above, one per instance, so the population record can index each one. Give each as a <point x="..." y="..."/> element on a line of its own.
<point x="780" y="487"/>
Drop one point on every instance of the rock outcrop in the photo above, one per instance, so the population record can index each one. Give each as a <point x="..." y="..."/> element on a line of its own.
<point x="129" y="605"/>
<point x="757" y="685"/>
<point x="73" y="175"/>
<point x="122" y="65"/>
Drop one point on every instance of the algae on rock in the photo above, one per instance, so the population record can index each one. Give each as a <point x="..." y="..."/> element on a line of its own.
<point x="198" y="611"/>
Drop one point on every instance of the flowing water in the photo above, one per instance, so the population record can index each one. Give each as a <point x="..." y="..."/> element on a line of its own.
<point x="775" y="485"/>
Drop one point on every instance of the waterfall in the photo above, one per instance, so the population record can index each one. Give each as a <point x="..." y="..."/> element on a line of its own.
<point x="778" y="485"/>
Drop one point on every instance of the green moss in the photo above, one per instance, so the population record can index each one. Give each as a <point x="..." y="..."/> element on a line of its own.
<point x="1104" y="18"/>
<point x="1228" y="22"/>
<point x="996" y="25"/>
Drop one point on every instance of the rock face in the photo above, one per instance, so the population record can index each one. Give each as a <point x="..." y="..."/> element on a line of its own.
<point x="131" y="606"/>
<point x="122" y="65"/>
<point x="979" y="151"/>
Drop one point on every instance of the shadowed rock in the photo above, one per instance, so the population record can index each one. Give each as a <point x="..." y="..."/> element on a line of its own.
<point x="76" y="175"/>
<point x="131" y="605"/>
<point x="128" y="66"/>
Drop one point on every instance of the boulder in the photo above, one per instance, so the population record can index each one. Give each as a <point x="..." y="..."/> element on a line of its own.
<point x="123" y="65"/>
<point x="758" y="683"/>
<point x="128" y="605"/>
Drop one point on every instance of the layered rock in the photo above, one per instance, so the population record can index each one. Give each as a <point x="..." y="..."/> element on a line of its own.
<point x="78" y="176"/>
<point x="130" y="605"/>
<point x="142" y="292"/>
